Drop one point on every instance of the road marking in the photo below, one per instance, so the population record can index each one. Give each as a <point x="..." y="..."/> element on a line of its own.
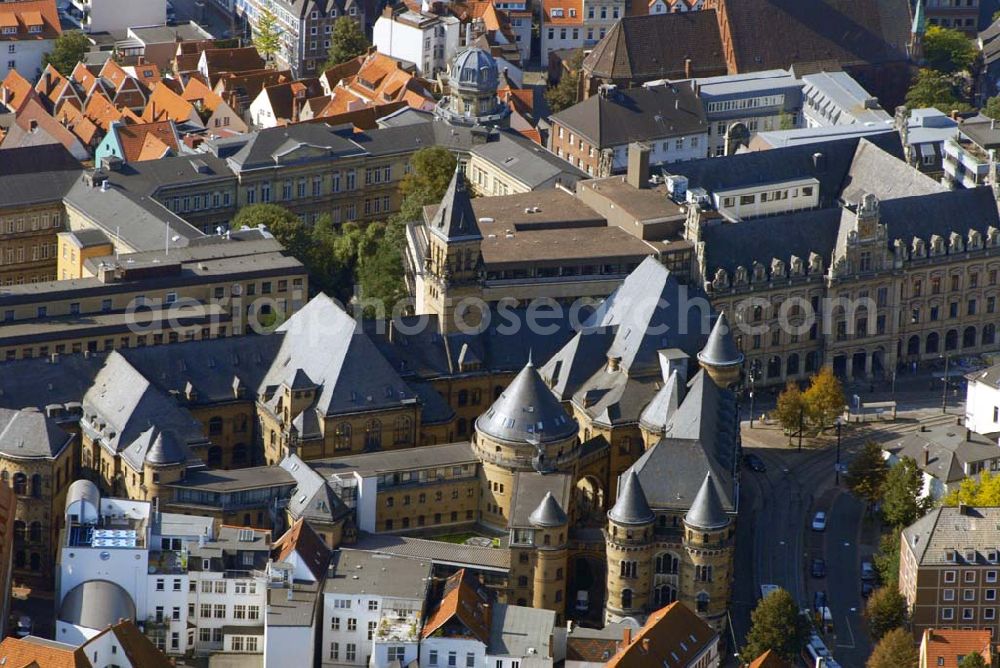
<point x="850" y="632"/>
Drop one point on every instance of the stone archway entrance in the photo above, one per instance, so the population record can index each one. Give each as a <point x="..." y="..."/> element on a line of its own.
<point x="588" y="573"/>
<point x="590" y="501"/>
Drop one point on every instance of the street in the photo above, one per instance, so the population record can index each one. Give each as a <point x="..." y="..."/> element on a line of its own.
<point x="775" y="544"/>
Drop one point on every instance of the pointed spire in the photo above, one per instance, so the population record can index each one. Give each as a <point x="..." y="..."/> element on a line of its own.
<point x="631" y="506"/>
<point x="707" y="512"/>
<point x="455" y="220"/>
<point x="657" y="413"/>
<point x="548" y="513"/>
<point x="720" y="349"/>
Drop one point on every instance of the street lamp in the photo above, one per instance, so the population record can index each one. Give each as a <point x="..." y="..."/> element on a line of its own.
<point x="754" y="374"/>
<point x="840" y="422"/>
<point x="944" y="389"/>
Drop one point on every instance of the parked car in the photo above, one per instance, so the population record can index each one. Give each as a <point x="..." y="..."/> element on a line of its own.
<point x="23" y="627"/>
<point x="866" y="589"/>
<point x="755" y="462"/>
<point x="818" y="568"/>
<point x="819" y="600"/>
<point x="819" y="521"/>
<point x="582" y="600"/>
<point x="867" y="571"/>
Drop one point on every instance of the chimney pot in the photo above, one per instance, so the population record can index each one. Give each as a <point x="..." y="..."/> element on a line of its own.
<point x="627" y="635"/>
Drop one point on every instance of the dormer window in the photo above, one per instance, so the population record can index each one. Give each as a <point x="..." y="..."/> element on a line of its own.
<point x="34" y="29"/>
<point x="949" y="556"/>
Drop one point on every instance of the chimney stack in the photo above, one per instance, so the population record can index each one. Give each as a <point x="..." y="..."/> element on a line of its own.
<point x="687" y="68"/>
<point x="638" y="165"/>
<point x="627" y="635"/>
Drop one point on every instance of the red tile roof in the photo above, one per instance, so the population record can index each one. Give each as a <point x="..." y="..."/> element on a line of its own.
<point x="769" y="660"/>
<point x="305" y="542"/>
<point x="674" y="632"/>
<point x="466" y="602"/>
<point x="943" y="647"/>
<point x="572" y="12"/>
<point x="147" y="141"/>
<point x="34" y="652"/>
<point x="30" y="20"/>
<point x="16" y="90"/>
<point x="165" y="104"/>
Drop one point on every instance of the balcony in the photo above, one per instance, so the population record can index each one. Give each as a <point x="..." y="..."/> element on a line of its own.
<point x="398" y="626"/>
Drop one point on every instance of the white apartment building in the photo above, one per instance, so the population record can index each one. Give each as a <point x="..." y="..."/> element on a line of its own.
<point x="982" y="401"/>
<point x="116" y="15"/>
<point x="27" y="33"/>
<point x="427" y="40"/>
<point x="373" y="606"/>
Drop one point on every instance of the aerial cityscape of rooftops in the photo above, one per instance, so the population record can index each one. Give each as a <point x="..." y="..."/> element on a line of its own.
<point x="499" y="333"/>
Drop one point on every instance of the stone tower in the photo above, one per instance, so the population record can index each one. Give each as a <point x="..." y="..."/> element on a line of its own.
<point x="720" y="357"/>
<point x="453" y="258"/>
<point x="551" y="531"/>
<point x="526" y="429"/>
<point x="708" y="542"/>
<point x="472" y="100"/>
<point x="656" y="415"/>
<point x="629" y="541"/>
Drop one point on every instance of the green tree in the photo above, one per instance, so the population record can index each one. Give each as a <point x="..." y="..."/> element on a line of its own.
<point x="947" y="50"/>
<point x="791" y="406"/>
<point x="346" y="42"/>
<point x="564" y="93"/>
<point x="775" y="624"/>
<point x="866" y="473"/>
<point x="282" y="223"/>
<point x="972" y="492"/>
<point x="894" y="650"/>
<point x="380" y="273"/>
<point x="887" y="559"/>
<point x="267" y="34"/>
<point x="885" y="611"/>
<point x="824" y="398"/>
<point x="992" y="107"/>
<point x="974" y="660"/>
<point x="901" y="503"/>
<point x="786" y="121"/>
<point x="68" y="49"/>
<point x="933" y="89"/>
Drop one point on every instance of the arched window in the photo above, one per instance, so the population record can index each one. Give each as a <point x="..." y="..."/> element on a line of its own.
<point x="239" y="454"/>
<point x="969" y="337"/>
<point x="931" y="346"/>
<point x="664" y="595"/>
<point x="989" y="334"/>
<point x="215" y="426"/>
<point x="951" y="340"/>
<point x="19" y="559"/>
<point x="812" y="363"/>
<point x="18" y="531"/>
<point x="702" y="602"/>
<point x="463" y="397"/>
<point x="35" y="532"/>
<point x="792" y="366"/>
<point x="20" y="483"/>
<point x="342" y="437"/>
<point x="913" y="345"/>
<point x="462" y="426"/>
<point x="36" y="561"/>
<point x="628" y="569"/>
<point x="626" y="599"/>
<point x="373" y="434"/>
<point x="666" y="563"/>
<point x="403" y="430"/>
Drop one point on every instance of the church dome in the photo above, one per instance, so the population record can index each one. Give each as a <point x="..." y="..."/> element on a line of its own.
<point x="475" y="69"/>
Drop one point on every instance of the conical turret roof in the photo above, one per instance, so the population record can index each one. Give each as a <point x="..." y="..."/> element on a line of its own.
<point x="455" y="220"/>
<point x="720" y="349"/>
<point x="166" y="449"/>
<point x="631" y="506"/>
<point x="527" y="411"/>
<point x="658" y="412"/>
<point x="706" y="512"/>
<point x="548" y="513"/>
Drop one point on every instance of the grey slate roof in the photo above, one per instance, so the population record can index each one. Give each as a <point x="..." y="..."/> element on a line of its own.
<point x="526" y="411"/>
<point x="531" y="164"/>
<point x="945" y="529"/>
<point x="29" y="434"/>
<point x="631" y="506"/>
<point x="454" y="219"/>
<point x="875" y="171"/>
<point x="520" y="631"/>
<point x="38" y="382"/>
<point x="361" y="572"/>
<point x="636" y="114"/>
<point x="316" y="140"/>
<point x="943" y="451"/>
<point x="326" y="343"/>
<point x="150" y="176"/>
<point x="438" y="552"/>
<point x="548" y="513"/>
<point x="312" y="499"/>
<point x="706" y="510"/>
<point x="720" y="349"/>
<point x="989" y="376"/>
<point x="700" y="438"/>
<point x="96" y="604"/>
<point x="657" y="413"/>
<point x="529" y="491"/>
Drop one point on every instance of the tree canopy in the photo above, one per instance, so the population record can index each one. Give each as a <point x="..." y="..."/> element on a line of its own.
<point x="973" y="660"/>
<point x="886" y="610"/>
<point x="992" y="107"/>
<point x="933" y="89"/>
<point x="68" y="49"/>
<point x="972" y="492"/>
<point x="824" y="398"/>
<point x="901" y="502"/>
<point x="866" y="473"/>
<point x="894" y="650"/>
<point x="346" y="42"/>
<point x="775" y="624"/>
<point x="791" y="407"/>
<point x="564" y="93"/>
<point x="947" y="50"/>
<point x="267" y="34"/>
<point x="887" y="559"/>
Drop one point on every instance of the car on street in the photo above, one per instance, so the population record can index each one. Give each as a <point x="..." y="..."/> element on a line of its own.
<point x="867" y="571"/>
<point x="755" y="462"/>
<point x="819" y="600"/>
<point x="23" y="627"/>
<point x="582" y="600"/>
<point x="866" y="589"/>
<point x="819" y="521"/>
<point x="818" y="568"/>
